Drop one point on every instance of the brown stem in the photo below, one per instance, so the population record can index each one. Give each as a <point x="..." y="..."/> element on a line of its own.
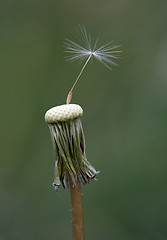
<point x="77" y="211"/>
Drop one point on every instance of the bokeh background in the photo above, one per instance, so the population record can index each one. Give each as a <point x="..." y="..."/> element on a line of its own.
<point x="125" y="119"/>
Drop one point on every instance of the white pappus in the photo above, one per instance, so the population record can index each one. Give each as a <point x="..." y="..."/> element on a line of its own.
<point x="76" y="52"/>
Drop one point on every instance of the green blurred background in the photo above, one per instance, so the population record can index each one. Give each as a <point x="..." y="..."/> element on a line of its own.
<point x="125" y="116"/>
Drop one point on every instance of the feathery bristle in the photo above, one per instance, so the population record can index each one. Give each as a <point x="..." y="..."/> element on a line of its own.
<point x="103" y="54"/>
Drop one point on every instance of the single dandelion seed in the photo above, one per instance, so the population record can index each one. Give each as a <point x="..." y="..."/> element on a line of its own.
<point x="76" y="52"/>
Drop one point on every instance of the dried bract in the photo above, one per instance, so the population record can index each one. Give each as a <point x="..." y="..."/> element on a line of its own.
<point x="69" y="146"/>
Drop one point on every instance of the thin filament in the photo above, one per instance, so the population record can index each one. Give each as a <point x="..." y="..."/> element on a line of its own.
<point x="69" y="97"/>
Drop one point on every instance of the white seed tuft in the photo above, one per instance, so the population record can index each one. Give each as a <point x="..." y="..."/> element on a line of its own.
<point x="104" y="53"/>
<point x="63" y="113"/>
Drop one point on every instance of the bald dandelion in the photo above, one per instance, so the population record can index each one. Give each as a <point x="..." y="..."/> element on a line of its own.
<point x="71" y="165"/>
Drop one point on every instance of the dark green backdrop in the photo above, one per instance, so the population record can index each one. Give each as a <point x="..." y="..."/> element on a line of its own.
<point x="125" y="119"/>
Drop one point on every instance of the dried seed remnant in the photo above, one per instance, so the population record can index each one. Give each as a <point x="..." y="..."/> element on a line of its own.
<point x="69" y="146"/>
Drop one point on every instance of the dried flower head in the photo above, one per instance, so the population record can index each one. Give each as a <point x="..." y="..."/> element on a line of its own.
<point x="69" y="146"/>
<point x="64" y="121"/>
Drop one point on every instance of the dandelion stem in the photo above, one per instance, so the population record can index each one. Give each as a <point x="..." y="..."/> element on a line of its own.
<point x="77" y="211"/>
<point x="69" y="96"/>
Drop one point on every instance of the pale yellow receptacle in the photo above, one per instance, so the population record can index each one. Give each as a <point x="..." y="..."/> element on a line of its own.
<point x="63" y="113"/>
